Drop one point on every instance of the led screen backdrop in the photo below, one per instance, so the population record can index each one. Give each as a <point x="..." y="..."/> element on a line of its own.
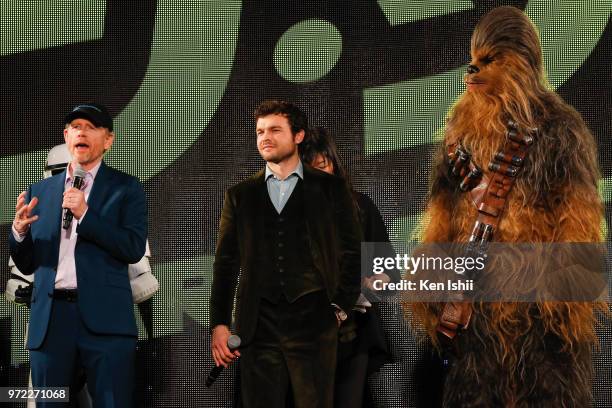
<point x="182" y="79"/>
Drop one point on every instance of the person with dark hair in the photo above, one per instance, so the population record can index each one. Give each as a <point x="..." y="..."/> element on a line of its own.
<point x="319" y="150"/>
<point x="362" y="348"/>
<point x="292" y="234"/>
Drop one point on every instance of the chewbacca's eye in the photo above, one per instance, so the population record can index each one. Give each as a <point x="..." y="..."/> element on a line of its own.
<point x="487" y="60"/>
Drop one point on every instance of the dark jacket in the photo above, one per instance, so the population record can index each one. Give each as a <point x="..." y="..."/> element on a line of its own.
<point x="334" y="236"/>
<point x="111" y="236"/>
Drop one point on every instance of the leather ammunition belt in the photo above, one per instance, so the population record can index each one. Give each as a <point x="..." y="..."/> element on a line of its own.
<point x="489" y="194"/>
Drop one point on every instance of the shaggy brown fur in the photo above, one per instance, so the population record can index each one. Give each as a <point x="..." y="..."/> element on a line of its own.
<point x="518" y="354"/>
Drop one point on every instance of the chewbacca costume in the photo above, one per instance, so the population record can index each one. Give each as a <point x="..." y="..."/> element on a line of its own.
<point x="518" y="354"/>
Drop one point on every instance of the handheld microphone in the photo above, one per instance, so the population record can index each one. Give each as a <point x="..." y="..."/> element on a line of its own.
<point x="233" y="342"/>
<point x="77" y="182"/>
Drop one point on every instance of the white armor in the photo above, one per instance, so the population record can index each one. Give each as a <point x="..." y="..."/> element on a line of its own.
<point x="57" y="160"/>
<point x="143" y="282"/>
<point x="16" y="280"/>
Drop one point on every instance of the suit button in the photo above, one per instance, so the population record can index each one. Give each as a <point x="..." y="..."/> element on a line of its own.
<point x="281" y="270"/>
<point x="281" y="233"/>
<point x="280" y="245"/>
<point x="281" y="219"/>
<point x="280" y="258"/>
<point x="282" y="283"/>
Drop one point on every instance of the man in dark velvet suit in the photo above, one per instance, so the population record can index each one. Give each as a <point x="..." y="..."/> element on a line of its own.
<point x="82" y="311"/>
<point x="292" y="233"/>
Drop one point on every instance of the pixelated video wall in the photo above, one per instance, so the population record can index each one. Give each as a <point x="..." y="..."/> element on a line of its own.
<point x="182" y="79"/>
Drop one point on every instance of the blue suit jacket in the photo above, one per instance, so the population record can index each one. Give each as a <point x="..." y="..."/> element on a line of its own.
<point x="112" y="235"/>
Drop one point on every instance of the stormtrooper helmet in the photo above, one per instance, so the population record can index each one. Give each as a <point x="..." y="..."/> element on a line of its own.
<point x="57" y="160"/>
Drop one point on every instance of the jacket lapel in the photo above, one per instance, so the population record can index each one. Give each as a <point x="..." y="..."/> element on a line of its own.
<point x="55" y="208"/>
<point x="257" y="200"/>
<point x="314" y="200"/>
<point x="99" y="190"/>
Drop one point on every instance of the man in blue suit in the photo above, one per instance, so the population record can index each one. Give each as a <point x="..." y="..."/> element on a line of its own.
<point x="81" y="311"/>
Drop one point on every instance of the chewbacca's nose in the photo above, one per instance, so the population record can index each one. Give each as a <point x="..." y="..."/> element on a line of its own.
<point x="473" y="69"/>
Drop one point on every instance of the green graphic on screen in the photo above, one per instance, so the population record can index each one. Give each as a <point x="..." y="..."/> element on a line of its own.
<point x="191" y="60"/>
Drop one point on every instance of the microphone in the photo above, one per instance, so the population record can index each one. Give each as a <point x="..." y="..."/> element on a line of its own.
<point x="77" y="182"/>
<point x="233" y="343"/>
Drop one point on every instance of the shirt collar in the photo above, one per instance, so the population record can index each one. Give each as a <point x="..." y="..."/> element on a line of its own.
<point x="93" y="172"/>
<point x="299" y="171"/>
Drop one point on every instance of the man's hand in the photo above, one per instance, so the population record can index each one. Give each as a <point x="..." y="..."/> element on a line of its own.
<point x="23" y="214"/>
<point x="368" y="282"/>
<point x="338" y="320"/>
<point x="221" y="353"/>
<point x="74" y="199"/>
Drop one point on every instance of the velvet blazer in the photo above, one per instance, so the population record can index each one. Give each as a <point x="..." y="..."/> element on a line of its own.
<point x="334" y="237"/>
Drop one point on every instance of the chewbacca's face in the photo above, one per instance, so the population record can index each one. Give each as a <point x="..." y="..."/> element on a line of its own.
<point x="505" y="53"/>
<point x="491" y="70"/>
<point x="484" y="74"/>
